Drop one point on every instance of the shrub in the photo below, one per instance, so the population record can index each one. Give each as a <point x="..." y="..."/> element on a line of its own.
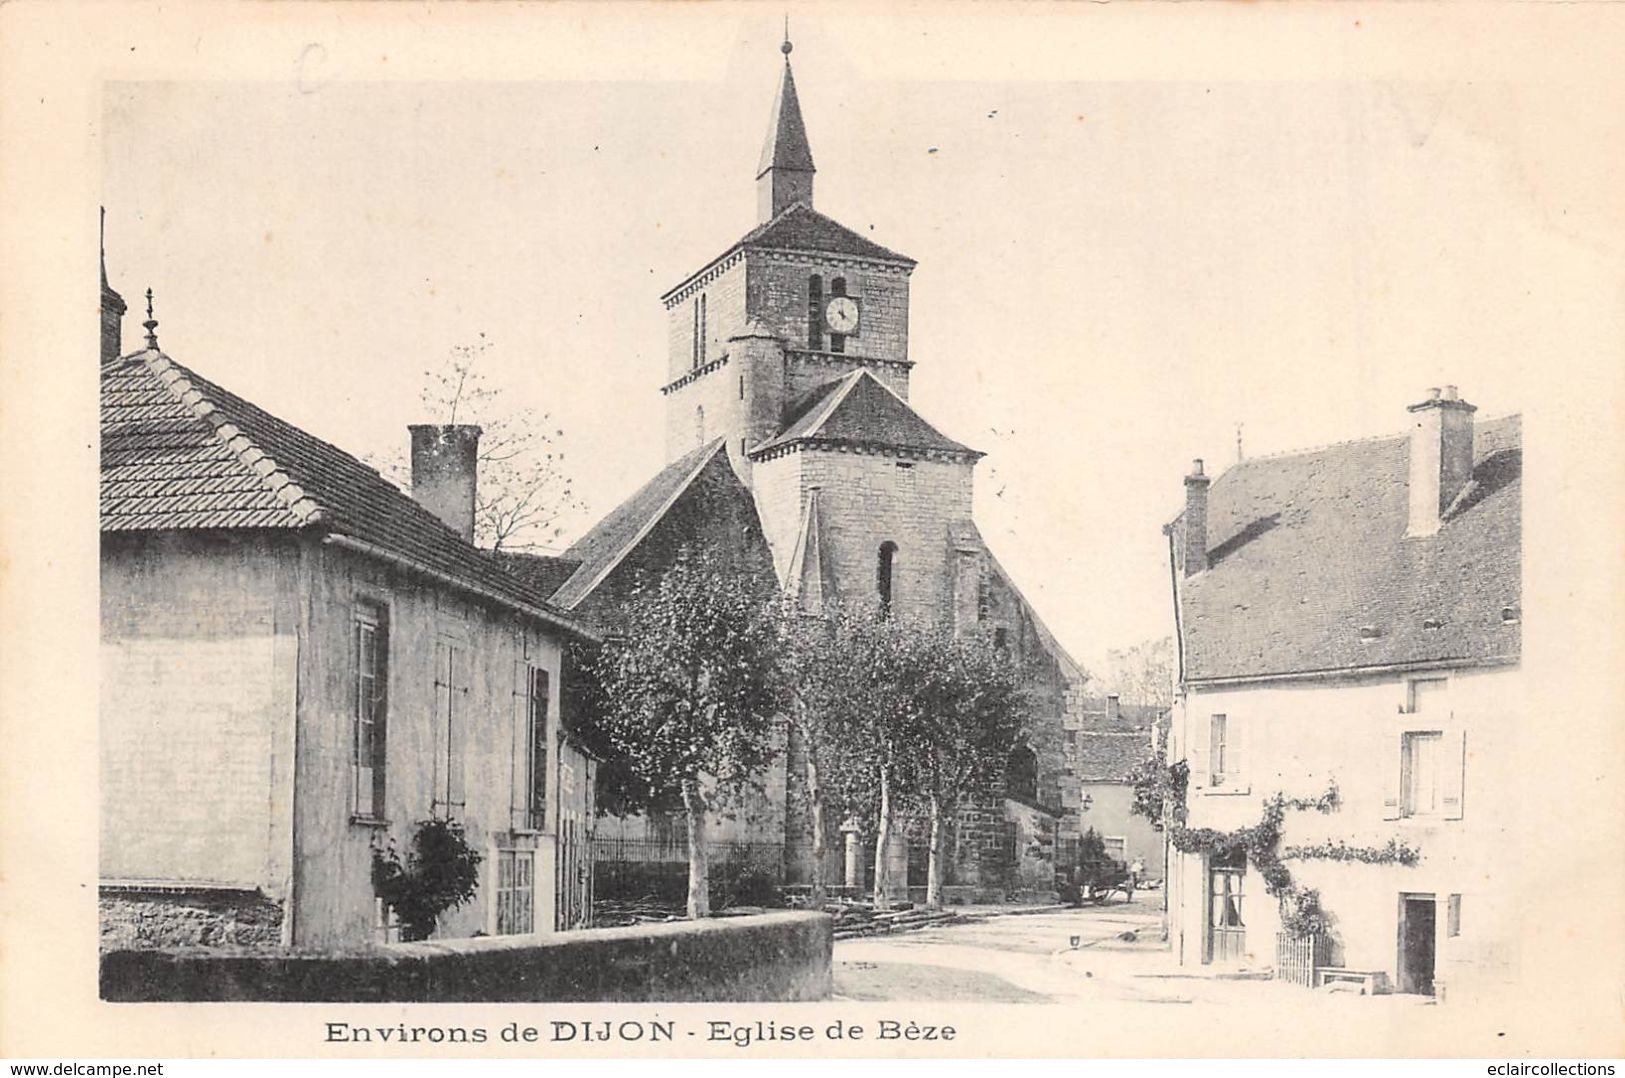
<point x="442" y="873"/>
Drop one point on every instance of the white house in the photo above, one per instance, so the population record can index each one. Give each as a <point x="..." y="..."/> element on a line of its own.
<point x="1349" y="620"/>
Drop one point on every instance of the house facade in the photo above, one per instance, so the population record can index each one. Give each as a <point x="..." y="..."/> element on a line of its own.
<point x="1113" y="740"/>
<point x="1350" y="635"/>
<point x="786" y="392"/>
<point x="299" y="664"/>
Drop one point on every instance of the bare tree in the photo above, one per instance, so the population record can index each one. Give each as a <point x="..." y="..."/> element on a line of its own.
<point x="1142" y="674"/>
<point x="524" y="494"/>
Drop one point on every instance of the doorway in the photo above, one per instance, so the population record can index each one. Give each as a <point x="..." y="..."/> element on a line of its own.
<point x="1418" y="936"/>
<point x="1226" y="931"/>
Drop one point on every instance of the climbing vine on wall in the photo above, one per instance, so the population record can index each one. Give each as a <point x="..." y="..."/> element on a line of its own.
<point x="1301" y="911"/>
<point x="1396" y="852"/>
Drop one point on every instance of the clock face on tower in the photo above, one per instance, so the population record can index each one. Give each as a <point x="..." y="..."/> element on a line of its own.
<point x="841" y="315"/>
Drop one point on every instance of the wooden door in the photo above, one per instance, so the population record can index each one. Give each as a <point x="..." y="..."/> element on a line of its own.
<point x="1226" y="926"/>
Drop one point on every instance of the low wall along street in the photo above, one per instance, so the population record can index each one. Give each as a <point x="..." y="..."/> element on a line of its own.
<point x="762" y="957"/>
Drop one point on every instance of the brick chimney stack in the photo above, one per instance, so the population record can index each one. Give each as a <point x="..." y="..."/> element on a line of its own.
<point x="1195" y="529"/>
<point x="445" y="467"/>
<point x="1441" y="455"/>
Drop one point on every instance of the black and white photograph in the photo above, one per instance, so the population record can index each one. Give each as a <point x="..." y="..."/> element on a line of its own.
<point x="1001" y="525"/>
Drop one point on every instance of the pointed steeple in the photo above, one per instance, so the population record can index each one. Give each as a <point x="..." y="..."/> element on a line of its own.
<point x="112" y="307"/>
<point x="785" y="174"/>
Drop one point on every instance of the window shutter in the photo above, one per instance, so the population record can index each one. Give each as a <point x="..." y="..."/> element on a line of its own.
<point x="1198" y="736"/>
<point x="518" y="817"/>
<point x="1452" y="773"/>
<point x="1238" y="747"/>
<point x="442" y="726"/>
<point x="1392" y="760"/>
<point x="454" y="730"/>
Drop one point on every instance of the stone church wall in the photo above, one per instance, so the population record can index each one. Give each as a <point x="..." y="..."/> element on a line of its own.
<point x="777" y="295"/>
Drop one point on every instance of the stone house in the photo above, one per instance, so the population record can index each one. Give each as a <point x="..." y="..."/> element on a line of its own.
<point x="1349" y="618"/>
<point x="298" y="664"/>
<point x="791" y="440"/>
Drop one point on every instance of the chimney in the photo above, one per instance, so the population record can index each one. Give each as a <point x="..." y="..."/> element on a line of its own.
<point x="1441" y="457"/>
<point x="445" y="463"/>
<point x="1114" y="707"/>
<point x="112" y="308"/>
<point x="1195" y="529"/>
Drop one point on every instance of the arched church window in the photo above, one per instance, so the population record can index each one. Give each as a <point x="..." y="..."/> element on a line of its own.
<point x="1021" y="774"/>
<point x="815" y="312"/>
<point x="883" y="575"/>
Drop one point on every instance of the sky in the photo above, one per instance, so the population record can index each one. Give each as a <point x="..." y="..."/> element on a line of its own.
<point x="1116" y="274"/>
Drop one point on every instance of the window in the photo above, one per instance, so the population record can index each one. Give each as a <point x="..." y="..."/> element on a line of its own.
<point x="699" y="424"/>
<point x="516" y="892"/>
<point x="451" y="699"/>
<point x="883" y="575"/>
<point x="699" y="332"/>
<point x="815" y="313"/>
<point x="386" y="924"/>
<point x="1218" y="749"/>
<point x="1419" y="773"/>
<point x="1452" y="916"/>
<point x="536" y="758"/>
<point x="367" y="754"/>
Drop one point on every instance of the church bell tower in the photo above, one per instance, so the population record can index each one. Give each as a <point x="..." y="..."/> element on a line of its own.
<point x="785" y="175"/>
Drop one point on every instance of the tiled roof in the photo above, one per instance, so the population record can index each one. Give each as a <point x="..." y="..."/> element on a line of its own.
<point x="1307" y="549"/>
<point x="612" y="538"/>
<point x="179" y="452"/>
<point x="1104" y="757"/>
<point x="802" y="228"/>
<point x="858" y="410"/>
<point x="1110" y="744"/>
<point x="799" y="227"/>
<point x="542" y="573"/>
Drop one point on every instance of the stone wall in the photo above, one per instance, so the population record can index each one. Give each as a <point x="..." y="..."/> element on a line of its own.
<point x="142" y="920"/>
<point x="777" y="296"/>
<point x="761" y="958"/>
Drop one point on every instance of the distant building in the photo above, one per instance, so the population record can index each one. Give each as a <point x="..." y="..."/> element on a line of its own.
<point x="792" y="441"/>
<point x="1352" y="615"/>
<point x="1113" y="739"/>
<point x="298" y="664"/>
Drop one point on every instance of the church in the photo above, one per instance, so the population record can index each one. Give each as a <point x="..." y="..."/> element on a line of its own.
<point x="791" y="443"/>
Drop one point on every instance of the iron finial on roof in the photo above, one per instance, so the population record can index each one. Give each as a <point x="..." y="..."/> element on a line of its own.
<point x="151" y="324"/>
<point x="786" y="47"/>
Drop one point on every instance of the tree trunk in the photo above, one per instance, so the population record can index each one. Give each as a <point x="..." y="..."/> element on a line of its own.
<point x="933" y="869"/>
<point x="882" y="840"/>
<point x="699" y="890"/>
<point x="815" y="798"/>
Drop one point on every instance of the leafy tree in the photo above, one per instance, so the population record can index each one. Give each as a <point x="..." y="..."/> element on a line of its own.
<point x="688" y="693"/>
<point x="1159" y="791"/>
<point x="899" y="719"/>
<point x="524" y="495"/>
<point x="972" y="712"/>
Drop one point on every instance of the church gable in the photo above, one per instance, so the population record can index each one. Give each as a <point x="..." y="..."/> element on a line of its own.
<point x="858" y="412"/>
<point x="698" y="502"/>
